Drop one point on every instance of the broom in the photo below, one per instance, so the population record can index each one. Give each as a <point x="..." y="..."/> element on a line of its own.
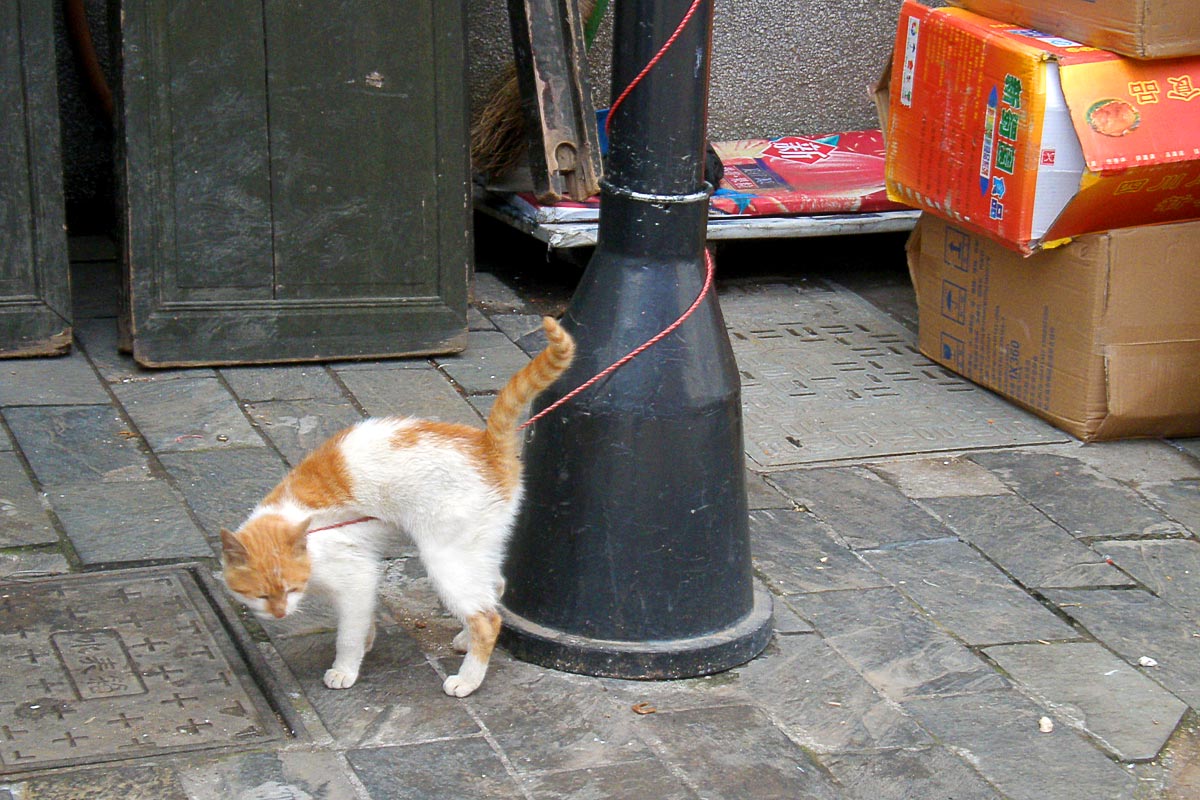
<point x="499" y="135"/>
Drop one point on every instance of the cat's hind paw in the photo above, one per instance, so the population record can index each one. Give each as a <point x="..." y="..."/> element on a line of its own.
<point x="461" y="640"/>
<point x="458" y="686"/>
<point x="340" y="679"/>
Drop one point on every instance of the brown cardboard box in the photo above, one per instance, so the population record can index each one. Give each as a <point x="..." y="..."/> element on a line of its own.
<point x="1136" y="28"/>
<point x="1101" y="337"/>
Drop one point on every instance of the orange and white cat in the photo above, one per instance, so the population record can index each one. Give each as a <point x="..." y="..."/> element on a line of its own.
<point x="453" y="489"/>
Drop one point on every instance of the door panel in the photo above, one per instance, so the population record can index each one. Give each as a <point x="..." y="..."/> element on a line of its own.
<point x="296" y="179"/>
<point x="35" y="295"/>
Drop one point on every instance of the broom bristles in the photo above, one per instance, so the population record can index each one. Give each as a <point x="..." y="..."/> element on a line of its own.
<point x="499" y="132"/>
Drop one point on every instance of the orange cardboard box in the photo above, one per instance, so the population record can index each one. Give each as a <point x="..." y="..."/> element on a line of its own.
<point x="1135" y="28"/>
<point x="1100" y="337"/>
<point x="1033" y="139"/>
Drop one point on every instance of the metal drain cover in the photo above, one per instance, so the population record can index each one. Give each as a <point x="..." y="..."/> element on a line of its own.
<point x="123" y="665"/>
<point x="826" y="376"/>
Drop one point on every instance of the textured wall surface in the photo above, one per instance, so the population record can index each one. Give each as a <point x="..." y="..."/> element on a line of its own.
<point x="778" y="66"/>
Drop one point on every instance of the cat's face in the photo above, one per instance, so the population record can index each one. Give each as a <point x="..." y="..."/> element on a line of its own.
<point x="266" y="565"/>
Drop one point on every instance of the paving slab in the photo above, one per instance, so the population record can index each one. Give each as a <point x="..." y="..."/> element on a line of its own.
<point x="398" y="698"/>
<point x="649" y="779"/>
<point x="408" y="392"/>
<point x="282" y="382"/>
<point x="23" y="517"/>
<point x="1092" y="690"/>
<point x="929" y="774"/>
<point x="552" y="721"/>
<point x="815" y="696"/>
<point x="893" y="646"/>
<point x="296" y="427"/>
<point x="458" y="768"/>
<point x="523" y="330"/>
<point x="78" y="444"/>
<point x="997" y="732"/>
<point x="222" y="487"/>
<point x="1076" y="496"/>
<point x="63" y="381"/>
<point x="494" y="295"/>
<point x="119" y="666"/>
<point x="786" y="621"/>
<point x="186" y="414"/>
<point x="1134" y="461"/>
<point x="98" y="338"/>
<point x="95" y="284"/>
<point x="378" y="365"/>
<point x="482" y="405"/>
<point x="862" y="510"/>
<point x="967" y="595"/>
<point x="1179" y="500"/>
<point x="486" y="365"/>
<point x="128" y="521"/>
<point x="1024" y="542"/>
<point x="1168" y="567"/>
<point x="827" y="376"/>
<point x="1190" y="446"/>
<point x="735" y="752"/>
<point x="32" y="564"/>
<point x="946" y="476"/>
<point x="407" y="593"/>
<point x="793" y="553"/>
<point x="476" y="321"/>
<point x="760" y="493"/>
<point x="270" y="776"/>
<point x="1136" y="624"/>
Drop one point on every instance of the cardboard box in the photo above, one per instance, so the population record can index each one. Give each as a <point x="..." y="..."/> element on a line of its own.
<point x="1135" y="28"/>
<point x="1033" y="139"/>
<point x="1100" y="337"/>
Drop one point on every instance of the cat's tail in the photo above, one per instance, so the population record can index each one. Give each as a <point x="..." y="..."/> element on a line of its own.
<point x="527" y="384"/>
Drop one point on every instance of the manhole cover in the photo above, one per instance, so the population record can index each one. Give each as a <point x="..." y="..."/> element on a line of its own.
<point x="116" y="666"/>
<point x="826" y="376"/>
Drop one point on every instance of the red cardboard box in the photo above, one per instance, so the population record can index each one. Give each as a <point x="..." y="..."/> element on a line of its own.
<point x="1033" y="139"/>
<point x="1135" y="28"/>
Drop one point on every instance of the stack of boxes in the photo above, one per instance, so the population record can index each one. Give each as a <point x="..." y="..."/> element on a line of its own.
<point x="1054" y="264"/>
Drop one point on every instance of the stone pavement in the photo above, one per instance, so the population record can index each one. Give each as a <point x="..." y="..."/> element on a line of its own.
<point x="1012" y="616"/>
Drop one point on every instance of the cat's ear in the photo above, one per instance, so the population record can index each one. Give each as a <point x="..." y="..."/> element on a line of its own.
<point x="299" y="536"/>
<point x="234" y="550"/>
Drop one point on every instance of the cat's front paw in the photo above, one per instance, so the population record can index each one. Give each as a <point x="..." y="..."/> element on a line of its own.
<point x="340" y="679"/>
<point x="458" y="686"/>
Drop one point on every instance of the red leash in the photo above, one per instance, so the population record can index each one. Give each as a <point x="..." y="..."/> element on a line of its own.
<point x="343" y="524"/>
<point x="691" y="12"/>
<point x="710" y="269"/>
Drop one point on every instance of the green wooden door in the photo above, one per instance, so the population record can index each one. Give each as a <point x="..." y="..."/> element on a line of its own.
<point x="295" y="179"/>
<point x="35" y="297"/>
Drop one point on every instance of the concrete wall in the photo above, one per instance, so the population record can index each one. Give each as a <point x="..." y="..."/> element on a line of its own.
<point x="778" y="66"/>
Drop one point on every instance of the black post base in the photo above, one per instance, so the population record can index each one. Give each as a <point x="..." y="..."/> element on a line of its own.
<point x="643" y="660"/>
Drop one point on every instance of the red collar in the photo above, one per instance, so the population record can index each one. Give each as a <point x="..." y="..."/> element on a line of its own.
<point x="343" y="524"/>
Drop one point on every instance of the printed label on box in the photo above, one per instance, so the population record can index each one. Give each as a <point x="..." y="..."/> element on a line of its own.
<point x="954" y="302"/>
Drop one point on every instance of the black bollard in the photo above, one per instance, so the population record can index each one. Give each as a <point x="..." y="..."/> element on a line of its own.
<point x="631" y="554"/>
